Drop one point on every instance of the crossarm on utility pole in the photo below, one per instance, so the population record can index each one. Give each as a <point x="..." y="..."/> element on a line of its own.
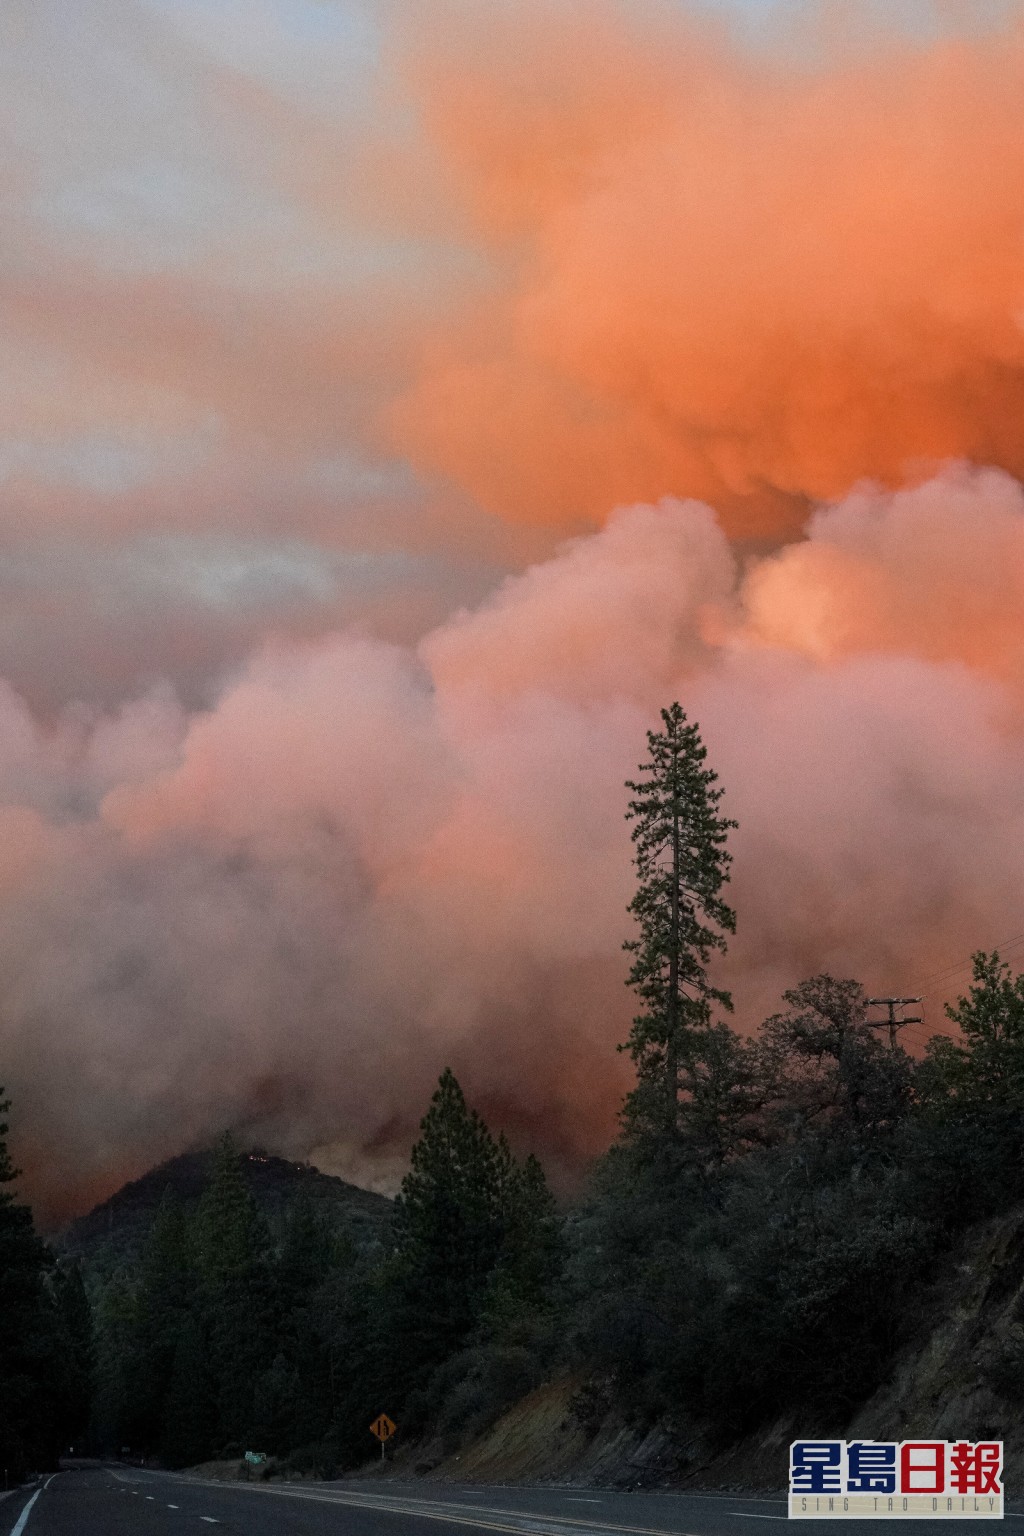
<point x="892" y="1023"/>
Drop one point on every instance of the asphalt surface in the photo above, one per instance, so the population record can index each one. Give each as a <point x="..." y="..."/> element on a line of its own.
<point x="124" y="1501"/>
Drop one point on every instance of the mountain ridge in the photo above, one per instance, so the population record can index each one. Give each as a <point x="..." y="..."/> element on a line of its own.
<point x="121" y="1223"/>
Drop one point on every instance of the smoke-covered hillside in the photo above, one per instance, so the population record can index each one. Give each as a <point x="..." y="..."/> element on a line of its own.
<point x="117" y="1229"/>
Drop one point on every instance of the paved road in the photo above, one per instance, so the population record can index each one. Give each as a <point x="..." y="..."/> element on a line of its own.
<point x="120" y="1501"/>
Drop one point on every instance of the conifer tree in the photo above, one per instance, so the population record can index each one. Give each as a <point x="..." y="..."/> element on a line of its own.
<point x="230" y="1234"/>
<point x="75" y="1353"/>
<point x="971" y="1089"/>
<point x="987" y="1068"/>
<point x="307" y="1253"/>
<point x="28" y="1410"/>
<point x="448" y="1222"/>
<point x="524" y="1293"/>
<point x="532" y="1251"/>
<point x="682" y="864"/>
<point x="165" y="1295"/>
<point x="190" y="1427"/>
<point x="116" y="1322"/>
<point x="294" y="1396"/>
<point x="238" y="1309"/>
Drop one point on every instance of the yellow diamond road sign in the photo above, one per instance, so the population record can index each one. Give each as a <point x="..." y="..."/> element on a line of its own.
<point x="383" y="1427"/>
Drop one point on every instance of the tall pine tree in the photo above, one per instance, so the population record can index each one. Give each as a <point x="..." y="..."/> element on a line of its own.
<point x="164" y="1297"/>
<point x="682" y="864"/>
<point x="238" y="1306"/>
<point x="449" y="1226"/>
<point x="524" y="1293"/>
<point x="75" y="1353"/>
<point x="115" y="1322"/>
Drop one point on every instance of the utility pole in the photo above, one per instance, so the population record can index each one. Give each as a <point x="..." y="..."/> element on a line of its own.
<point x="892" y="1023"/>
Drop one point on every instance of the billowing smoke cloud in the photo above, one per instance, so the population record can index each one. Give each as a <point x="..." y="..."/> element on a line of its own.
<point x="323" y="321"/>
<point x="289" y="912"/>
<point x="563" y="256"/>
<point x="752" y="280"/>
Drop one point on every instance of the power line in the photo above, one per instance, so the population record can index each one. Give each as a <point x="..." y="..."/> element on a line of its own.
<point x="918" y="1032"/>
<point x="917" y="1029"/>
<point x="963" y="965"/>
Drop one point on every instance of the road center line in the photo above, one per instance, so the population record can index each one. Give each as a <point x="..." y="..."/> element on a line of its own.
<point x="526" y="1522"/>
<point x="527" y="1525"/>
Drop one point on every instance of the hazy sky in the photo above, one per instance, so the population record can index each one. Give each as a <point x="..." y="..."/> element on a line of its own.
<point x="324" y="327"/>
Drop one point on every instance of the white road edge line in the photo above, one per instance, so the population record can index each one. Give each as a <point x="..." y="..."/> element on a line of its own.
<point x="23" y="1518"/>
<point x="743" y="1514"/>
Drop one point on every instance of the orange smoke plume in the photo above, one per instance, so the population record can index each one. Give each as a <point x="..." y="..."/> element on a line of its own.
<point x="752" y="280"/>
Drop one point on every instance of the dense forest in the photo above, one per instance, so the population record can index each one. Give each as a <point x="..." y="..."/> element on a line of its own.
<point x="46" y="1343"/>
<point x="731" y="1256"/>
